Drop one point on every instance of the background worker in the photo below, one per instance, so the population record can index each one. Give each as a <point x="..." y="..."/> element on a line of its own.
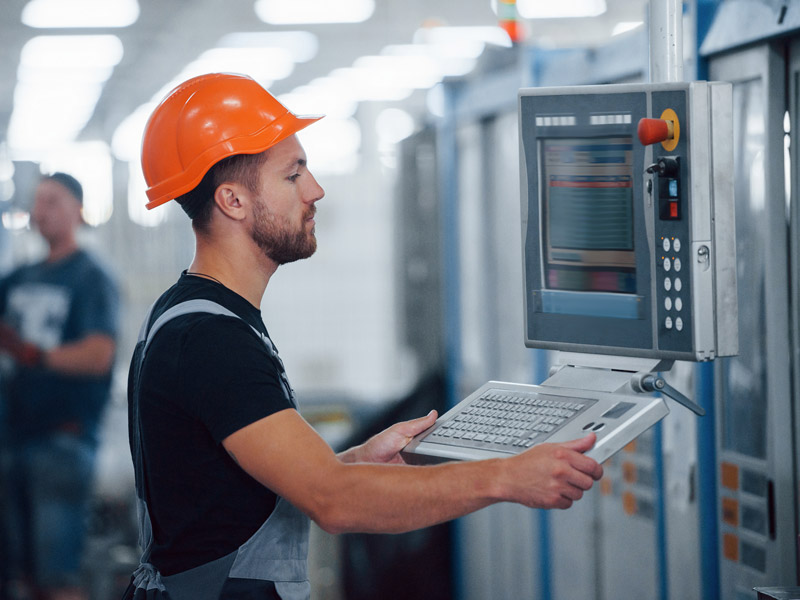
<point x="59" y="322"/>
<point x="227" y="469"/>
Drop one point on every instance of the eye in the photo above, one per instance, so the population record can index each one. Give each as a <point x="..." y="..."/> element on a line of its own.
<point x="294" y="177"/>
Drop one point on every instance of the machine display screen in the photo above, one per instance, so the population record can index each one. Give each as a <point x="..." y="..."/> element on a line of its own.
<point x="588" y="237"/>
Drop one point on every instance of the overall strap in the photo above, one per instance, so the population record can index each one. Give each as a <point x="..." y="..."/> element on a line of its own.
<point x="209" y="306"/>
<point x="146" y="335"/>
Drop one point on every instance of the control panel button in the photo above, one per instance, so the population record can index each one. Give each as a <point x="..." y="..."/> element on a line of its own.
<point x="679" y="324"/>
<point x="678" y="284"/>
<point x="668" y="303"/>
<point x="667" y="264"/>
<point x="666" y="245"/>
<point x="668" y="322"/>
<point x="677" y="264"/>
<point x="667" y="283"/>
<point x="678" y="304"/>
<point x="650" y="131"/>
<point x="676" y="244"/>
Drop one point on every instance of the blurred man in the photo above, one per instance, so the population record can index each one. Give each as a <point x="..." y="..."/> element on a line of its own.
<point x="59" y="321"/>
<point x="228" y="472"/>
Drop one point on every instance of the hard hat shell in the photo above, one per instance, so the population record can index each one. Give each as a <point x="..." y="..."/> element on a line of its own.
<point x="202" y="121"/>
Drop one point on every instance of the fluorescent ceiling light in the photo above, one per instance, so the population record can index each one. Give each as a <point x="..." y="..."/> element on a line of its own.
<point x="394" y="125"/>
<point x="561" y="9"/>
<point x="450" y="59"/>
<point x="362" y="85"/>
<point x="332" y="145"/>
<point x="624" y="26"/>
<point x="281" y="12"/>
<point x="59" y="80"/>
<point x="262" y="64"/>
<point x="410" y="71"/>
<point x="126" y="143"/>
<point x="265" y="65"/>
<point x="301" y="45"/>
<point x="323" y="96"/>
<point x="16" y="220"/>
<point x="461" y="35"/>
<point x="71" y="52"/>
<point x="80" y="13"/>
<point x="137" y="199"/>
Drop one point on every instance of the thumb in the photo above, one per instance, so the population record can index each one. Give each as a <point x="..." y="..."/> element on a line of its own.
<point x="418" y="425"/>
<point x="581" y="444"/>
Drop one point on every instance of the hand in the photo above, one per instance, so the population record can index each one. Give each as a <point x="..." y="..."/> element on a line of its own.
<point x="23" y="352"/>
<point x="552" y="475"/>
<point x="385" y="446"/>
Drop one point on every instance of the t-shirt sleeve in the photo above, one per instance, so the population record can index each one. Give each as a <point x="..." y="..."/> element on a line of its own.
<point x="97" y="306"/>
<point x="230" y="376"/>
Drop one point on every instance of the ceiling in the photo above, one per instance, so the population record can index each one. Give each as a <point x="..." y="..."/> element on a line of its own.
<point x="169" y="34"/>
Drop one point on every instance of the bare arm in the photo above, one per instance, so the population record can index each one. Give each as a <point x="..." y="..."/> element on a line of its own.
<point x="285" y="454"/>
<point x="92" y="355"/>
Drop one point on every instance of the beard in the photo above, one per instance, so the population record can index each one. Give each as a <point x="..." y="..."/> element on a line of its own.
<point x="278" y="240"/>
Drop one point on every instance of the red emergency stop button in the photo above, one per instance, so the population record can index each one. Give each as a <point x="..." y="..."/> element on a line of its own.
<point x="651" y="131"/>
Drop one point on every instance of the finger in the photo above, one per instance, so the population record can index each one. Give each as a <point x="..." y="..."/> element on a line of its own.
<point x="415" y="426"/>
<point x="586" y="465"/>
<point x="580" y="481"/>
<point x="581" y="444"/>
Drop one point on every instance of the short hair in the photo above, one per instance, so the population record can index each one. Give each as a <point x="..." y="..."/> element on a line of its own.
<point x="69" y="182"/>
<point x="198" y="204"/>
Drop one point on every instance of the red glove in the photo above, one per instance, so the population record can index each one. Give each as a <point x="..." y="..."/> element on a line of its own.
<point x="23" y="352"/>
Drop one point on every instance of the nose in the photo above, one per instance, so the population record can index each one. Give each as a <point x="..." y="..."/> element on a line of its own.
<point x="314" y="192"/>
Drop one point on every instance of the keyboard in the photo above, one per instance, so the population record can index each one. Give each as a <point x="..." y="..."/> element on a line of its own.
<point x="502" y="420"/>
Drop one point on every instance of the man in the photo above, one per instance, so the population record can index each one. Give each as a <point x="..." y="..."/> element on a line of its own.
<point x="227" y="469"/>
<point x="59" y="321"/>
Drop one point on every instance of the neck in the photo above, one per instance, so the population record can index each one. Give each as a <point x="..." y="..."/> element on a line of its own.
<point x="60" y="249"/>
<point x="236" y="267"/>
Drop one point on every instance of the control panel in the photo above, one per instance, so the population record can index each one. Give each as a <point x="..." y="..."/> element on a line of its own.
<point x="628" y="220"/>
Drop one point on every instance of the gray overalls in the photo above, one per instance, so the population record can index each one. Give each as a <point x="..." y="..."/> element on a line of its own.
<point x="277" y="552"/>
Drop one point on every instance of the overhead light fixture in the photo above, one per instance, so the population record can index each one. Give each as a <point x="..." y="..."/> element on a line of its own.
<point x="77" y="52"/>
<point x="449" y="60"/>
<point x="563" y="9"/>
<point x="625" y="26"/>
<point x="281" y="12"/>
<point x="418" y="71"/>
<point x="54" y="14"/>
<point x="126" y="143"/>
<point x="137" y="199"/>
<point x="393" y="125"/>
<point x="16" y="220"/>
<point x="333" y="145"/>
<point x="265" y="65"/>
<point x="301" y="45"/>
<point x="262" y="64"/>
<point x="363" y="86"/>
<point x="59" y="80"/>
<point x="462" y="36"/>
<point x="322" y="96"/>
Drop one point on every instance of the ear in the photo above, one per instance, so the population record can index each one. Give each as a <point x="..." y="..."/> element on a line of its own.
<point x="231" y="199"/>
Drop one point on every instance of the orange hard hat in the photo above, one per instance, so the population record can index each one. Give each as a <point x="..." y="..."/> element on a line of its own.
<point x="204" y="120"/>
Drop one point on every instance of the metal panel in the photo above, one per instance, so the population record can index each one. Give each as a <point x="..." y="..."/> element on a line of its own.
<point x="756" y="490"/>
<point x="499" y="551"/>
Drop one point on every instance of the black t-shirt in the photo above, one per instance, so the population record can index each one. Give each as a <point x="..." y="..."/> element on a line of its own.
<point x="204" y="377"/>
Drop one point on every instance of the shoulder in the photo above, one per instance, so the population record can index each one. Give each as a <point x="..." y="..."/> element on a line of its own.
<point x="202" y="336"/>
<point x="89" y="264"/>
